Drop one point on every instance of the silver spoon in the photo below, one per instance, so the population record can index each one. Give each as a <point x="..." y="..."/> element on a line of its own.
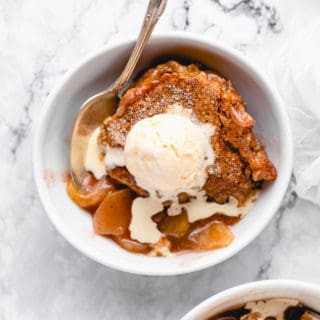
<point x="103" y="104"/>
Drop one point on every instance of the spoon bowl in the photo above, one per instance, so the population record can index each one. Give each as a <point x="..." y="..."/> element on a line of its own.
<point x="91" y="115"/>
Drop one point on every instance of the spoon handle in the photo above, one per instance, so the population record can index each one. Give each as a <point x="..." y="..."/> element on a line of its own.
<point x="154" y="11"/>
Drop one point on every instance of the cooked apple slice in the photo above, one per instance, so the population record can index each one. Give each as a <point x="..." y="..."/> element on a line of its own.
<point x="92" y="192"/>
<point x="114" y="213"/>
<point x="175" y="226"/>
<point x="131" y="245"/>
<point x="212" y="236"/>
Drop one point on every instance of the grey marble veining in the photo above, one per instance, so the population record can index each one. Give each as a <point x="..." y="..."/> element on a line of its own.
<point x="41" y="275"/>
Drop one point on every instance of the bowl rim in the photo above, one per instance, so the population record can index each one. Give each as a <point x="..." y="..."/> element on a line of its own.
<point x="274" y="284"/>
<point x="193" y="38"/>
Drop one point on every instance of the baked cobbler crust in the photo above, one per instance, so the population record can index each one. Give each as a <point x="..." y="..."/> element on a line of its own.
<point x="241" y="163"/>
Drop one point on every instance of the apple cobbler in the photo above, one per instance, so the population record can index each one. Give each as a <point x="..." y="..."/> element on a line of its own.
<point x="175" y="166"/>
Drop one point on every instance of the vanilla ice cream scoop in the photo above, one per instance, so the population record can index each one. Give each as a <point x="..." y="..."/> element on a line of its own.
<point x="168" y="154"/>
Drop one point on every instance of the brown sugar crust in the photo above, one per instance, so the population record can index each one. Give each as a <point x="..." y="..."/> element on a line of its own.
<point x="241" y="162"/>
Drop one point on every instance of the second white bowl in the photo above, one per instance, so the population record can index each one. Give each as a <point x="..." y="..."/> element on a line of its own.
<point x="306" y="293"/>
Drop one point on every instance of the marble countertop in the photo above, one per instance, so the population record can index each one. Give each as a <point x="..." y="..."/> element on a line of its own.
<point x="41" y="275"/>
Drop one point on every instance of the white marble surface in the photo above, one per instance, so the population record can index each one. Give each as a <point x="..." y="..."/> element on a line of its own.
<point x="41" y="275"/>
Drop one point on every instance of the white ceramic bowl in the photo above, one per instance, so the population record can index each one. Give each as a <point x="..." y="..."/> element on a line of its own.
<point x="306" y="293"/>
<point x="51" y="147"/>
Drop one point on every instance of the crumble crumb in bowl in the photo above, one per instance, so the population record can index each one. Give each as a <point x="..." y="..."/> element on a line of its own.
<point x="189" y="169"/>
<point x="262" y="300"/>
